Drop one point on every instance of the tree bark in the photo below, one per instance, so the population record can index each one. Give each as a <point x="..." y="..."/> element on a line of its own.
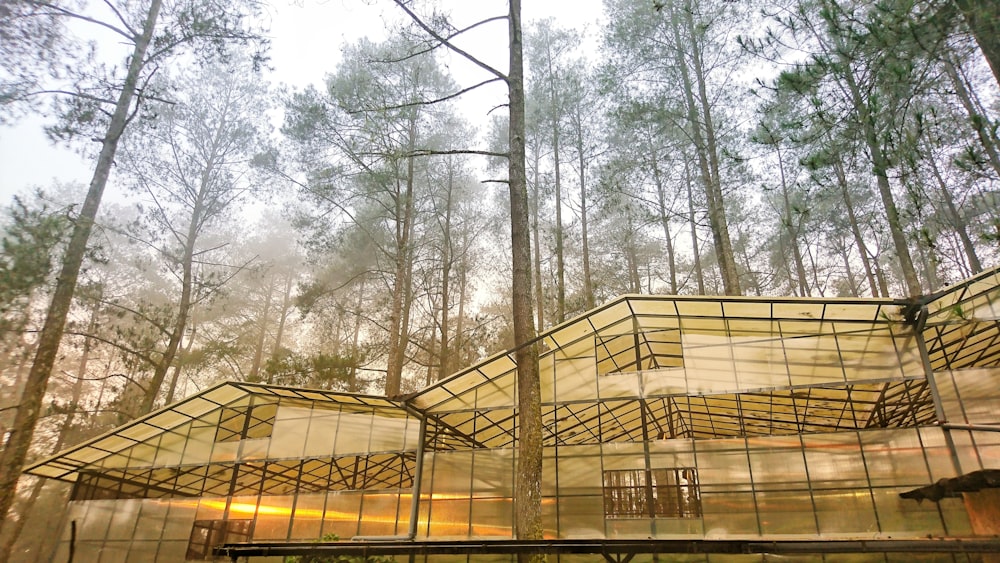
<point x="560" y="258"/>
<point x="535" y="212"/>
<point x="258" y="352"/>
<point x="528" y="486"/>
<point x="699" y="115"/>
<point x="956" y="221"/>
<point x="880" y="169"/>
<point x="859" y="240"/>
<point x="977" y="119"/>
<point x="399" y="319"/>
<point x="588" y="282"/>
<point x="14" y="454"/>
<point x="661" y="201"/>
<point x="983" y="19"/>
<point x="447" y="256"/>
<point x="800" y="268"/>
<point x="698" y="273"/>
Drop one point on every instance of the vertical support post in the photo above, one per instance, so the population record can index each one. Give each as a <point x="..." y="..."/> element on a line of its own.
<point x="417" y="479"/>
<point x="918" y="333"/>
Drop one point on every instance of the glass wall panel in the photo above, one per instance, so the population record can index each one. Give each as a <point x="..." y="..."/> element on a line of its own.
<point x="75" y="510"/>
<point x="723" y="465"/>
<point x="179" y="520"/>
<point x="550" y="517"/>
<point x="759" y="361"/>
<point x="450" y="518"/>
<point x="956" y="517"/>
<point x="88" y="551"/>
<point x="225" y="451"/>
<point x="813" y="360"/>
<point x="273" y="516"/>
<point x="142" y="552"/>
<point x="152" y="517"/>
<point x="979" y="391"/>
<point x="614" y="385"/>
<point x="171" y="551"/>
<point x="728" y="514"/>
<point x="637" y="528"/>
<point x="198" y="448"/>
<point x="845" y="512"/>
<point x="835" y="460"/>
<point x="452" y="473"/>
<point x="288" y="439"/>
<point x="988" y="448"/>
<point x="575" y="378"/>
<point x="492" y="473"/>
<point x="671" y="527"/>
<point x="254" y="449"/>
<point x="581" y="476"/>
<point x="708" y="361"/>
<point x="786" y="512"/>
<point x="388" y="433"/>
<point x="380" y="514"/>
<point x="549" y="476"/>
<point x="937" y="453"/>
<point x="777" y="462"/>
<point x="307" y="520"/>
<point x="868" y="353"/>
<point x="123" y="520"/>
<point x="904" y="516"/>
<point x="94" y="525"/>
<point x="354" y="433"/>
<point x="492" y="517"/>
<point x="113" y="552"/>
<point x="668" y="381"/>
<point x="894" y="457"/>
<point x="546" y="378"/>
<point x="581" y="517"/>
<point x="343" y="511"/>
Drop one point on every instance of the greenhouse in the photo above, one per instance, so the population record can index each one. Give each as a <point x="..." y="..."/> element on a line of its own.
<point x="708" y="426"/>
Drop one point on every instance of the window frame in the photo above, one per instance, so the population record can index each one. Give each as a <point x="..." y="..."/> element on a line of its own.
<point x="206" y="534"/>
<point x="659" y="492"/>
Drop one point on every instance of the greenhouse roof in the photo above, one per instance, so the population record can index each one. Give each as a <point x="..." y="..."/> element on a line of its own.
<point x="117" y="442"/>
<point x="665" y="369"/>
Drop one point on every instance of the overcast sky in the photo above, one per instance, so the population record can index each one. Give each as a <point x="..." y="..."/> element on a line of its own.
<point x="306" y="38"/>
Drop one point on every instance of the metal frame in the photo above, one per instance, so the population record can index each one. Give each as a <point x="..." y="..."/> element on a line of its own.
<point x="613" y="551"/>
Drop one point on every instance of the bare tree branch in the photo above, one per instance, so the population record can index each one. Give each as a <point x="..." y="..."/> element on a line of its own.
<point x="432" y="102"/>
<point x="444" y="41"/>
<point x="69" y="14"/>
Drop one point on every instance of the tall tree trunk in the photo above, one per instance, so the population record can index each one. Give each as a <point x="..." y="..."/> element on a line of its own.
<point x="699" y="115"/>
<point x="955" y="219"/>
<point x="399" y="317"/>
<point x="983" y="18"/>
<point x="258" y="352"/>
<point x="535" y="210"/>
<point x="793" y="235"/>
<point x="588" y="282"/>
<point x="848" y="270"/>
<point x="859" y="241"/>
<point x="447" y="256"/>
<point x="14" y="454"/>
<point x="880" y="169"/>
<point x="176" y="375"/>
<point x="698" y="273"/>
<point x="198" y="213"/>
<point x="528" y="486"/>
<point x="560" y="258"/>
<point x="68" y="425"/>
<point x="463" y="269"/>
<point x="355" y="339"/>
<point x="977" y="119"/>
<point x="661" y="201"/>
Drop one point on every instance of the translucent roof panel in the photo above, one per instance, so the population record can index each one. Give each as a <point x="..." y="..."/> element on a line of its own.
<point x="138" y="442"/>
